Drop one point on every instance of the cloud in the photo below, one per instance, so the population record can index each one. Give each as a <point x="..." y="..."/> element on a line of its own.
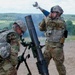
<point x="25" y="6"/>
<point x="68" y="6"/>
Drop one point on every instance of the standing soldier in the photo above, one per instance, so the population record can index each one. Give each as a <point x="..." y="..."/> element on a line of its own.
<point x="55" y="32"/>
<point x="9" y="48"/>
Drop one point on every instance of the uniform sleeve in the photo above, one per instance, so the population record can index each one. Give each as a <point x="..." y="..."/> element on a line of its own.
<point x="45" y="12"/>
<point x="42" y="25"/>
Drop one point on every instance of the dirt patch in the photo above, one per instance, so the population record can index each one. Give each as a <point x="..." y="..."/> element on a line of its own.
<point x="69" y="51"/>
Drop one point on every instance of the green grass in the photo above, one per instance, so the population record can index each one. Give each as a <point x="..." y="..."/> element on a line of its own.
<point x="70" y="38"/>
<point x="73" y="22"/>
<point x="4" y="23"/>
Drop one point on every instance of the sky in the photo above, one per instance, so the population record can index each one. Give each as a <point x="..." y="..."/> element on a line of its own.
<point x="25" y="6"/>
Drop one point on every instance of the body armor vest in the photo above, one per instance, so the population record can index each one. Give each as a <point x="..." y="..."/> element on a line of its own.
<point x="54" y="29"/>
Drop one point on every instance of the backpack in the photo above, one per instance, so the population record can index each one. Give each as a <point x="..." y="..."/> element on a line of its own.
<point x="4" y="45"/>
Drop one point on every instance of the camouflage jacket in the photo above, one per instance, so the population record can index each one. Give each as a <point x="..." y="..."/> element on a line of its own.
<point x="12" y="38"/>
<point x="54" y="29"/>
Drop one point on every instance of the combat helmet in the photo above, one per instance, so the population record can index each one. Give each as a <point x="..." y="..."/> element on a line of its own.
<point x="21" y="24"/>
<point x="57" y="8"/>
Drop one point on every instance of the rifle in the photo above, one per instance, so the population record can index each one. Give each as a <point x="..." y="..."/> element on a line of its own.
<point x="41" y="63"/>
<point x="22" y="59"/>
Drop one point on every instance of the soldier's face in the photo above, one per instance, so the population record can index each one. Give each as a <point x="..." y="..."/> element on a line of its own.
<point x="53" y="15"/>
<point x="17" y="29"/>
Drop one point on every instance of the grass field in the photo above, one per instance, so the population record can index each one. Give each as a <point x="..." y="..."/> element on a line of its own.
<point x="4" y="23"/>
<point x="70" y="38"/>
<point x="73" y="22"/>
<point x="42" y="39"/>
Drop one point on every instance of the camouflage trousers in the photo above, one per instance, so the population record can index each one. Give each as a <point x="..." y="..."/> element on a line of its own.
<point x="57" y="54"/>
<point x="10" y="71"/>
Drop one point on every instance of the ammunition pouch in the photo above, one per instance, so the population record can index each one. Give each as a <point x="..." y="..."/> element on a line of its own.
<point x="65" y="33"/>
<point x="7" y="66"/>
<point x="62" y="40"/>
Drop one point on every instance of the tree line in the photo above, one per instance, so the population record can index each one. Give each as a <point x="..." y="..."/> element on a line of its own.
<point x="37" y="18"/>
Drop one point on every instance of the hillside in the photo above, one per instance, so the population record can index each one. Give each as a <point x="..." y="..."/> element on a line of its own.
<point x="15" y="16"/>
<point x="7" y="19"/>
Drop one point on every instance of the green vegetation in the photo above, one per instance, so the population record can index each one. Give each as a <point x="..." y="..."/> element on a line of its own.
<point x="70" y="38"/>
<point x="7" y="19"/>
<point x="4" y="23"/>
<point x="73" y="22"/>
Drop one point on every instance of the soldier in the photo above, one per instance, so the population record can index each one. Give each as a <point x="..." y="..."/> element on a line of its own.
<point x="9" y="48"/>
<point x="55" y="32"/>
<point x="19" y="27"/>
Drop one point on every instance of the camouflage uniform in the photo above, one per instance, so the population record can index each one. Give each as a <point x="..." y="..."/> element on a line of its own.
<point x="54" y="30"/>
<point x="7" y="65"/>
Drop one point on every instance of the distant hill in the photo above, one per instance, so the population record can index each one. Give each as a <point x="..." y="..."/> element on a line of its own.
<point x="8" y="18"/>
<point x="15" y="16"/>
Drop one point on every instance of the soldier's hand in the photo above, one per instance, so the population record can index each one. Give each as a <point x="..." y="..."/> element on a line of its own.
<point x="20" y="59"/>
